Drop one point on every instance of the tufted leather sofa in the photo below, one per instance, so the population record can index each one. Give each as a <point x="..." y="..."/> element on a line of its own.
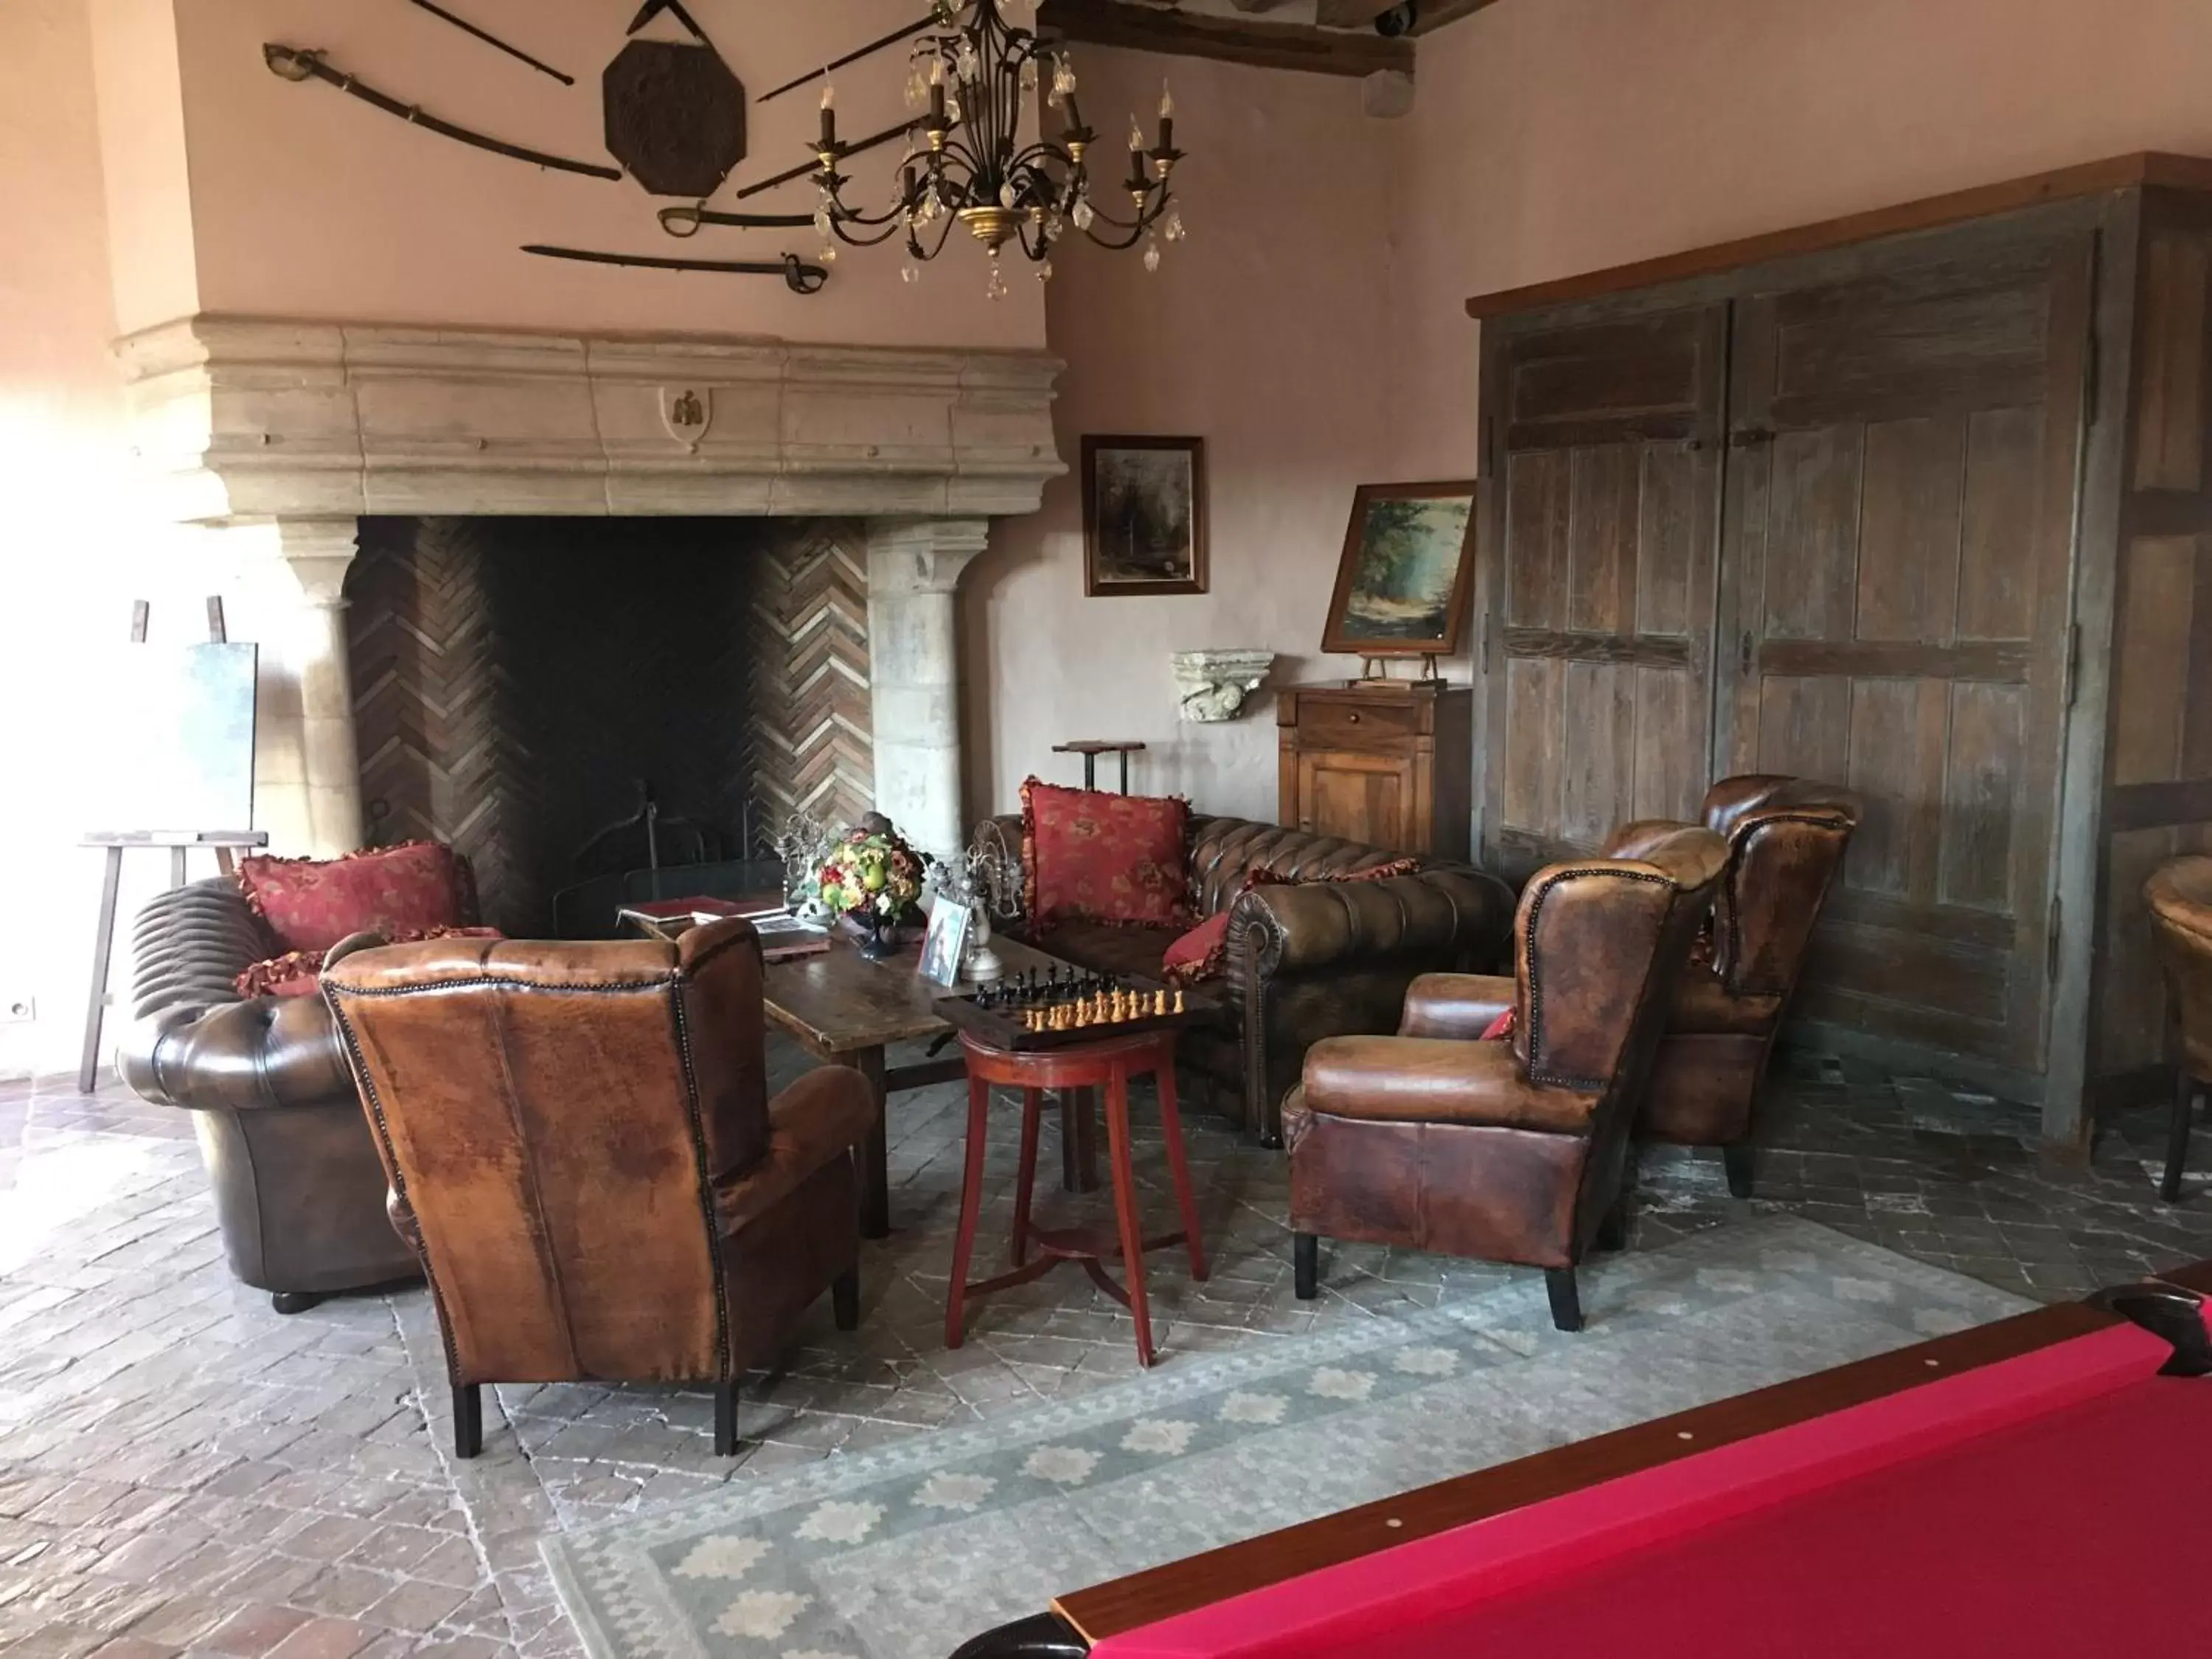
<point x="1786" y="839"/>
<point x="581" y="1146"/>
<point x="299" y="1192"/>
<point x="1517" y="1150"/>
<point x="2179" y="895"/>
<point x="1305" y="962"/>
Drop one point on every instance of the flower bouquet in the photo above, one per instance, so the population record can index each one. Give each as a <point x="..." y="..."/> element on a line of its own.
<point x="871" y="876"/>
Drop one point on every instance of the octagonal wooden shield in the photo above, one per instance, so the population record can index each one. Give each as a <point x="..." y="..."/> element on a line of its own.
<point x="676" y="115"/>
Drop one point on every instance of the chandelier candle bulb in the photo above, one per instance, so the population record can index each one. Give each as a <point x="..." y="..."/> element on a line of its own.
<point x="1167" y="119"/>
<point x="828" y="117"/>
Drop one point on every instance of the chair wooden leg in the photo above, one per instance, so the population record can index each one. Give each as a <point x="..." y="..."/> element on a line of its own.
<point x="844" y="1299"/>
<point x="1566" y="1300"/>
<point x="2186" y="1091"/>
<point x="1305" y="1266"/>
<point x="971" y="1208"/>
<point x="726" y="1420"/>
<point x="1025" y="1171"/>
<point x="1179" y="1168"/>
<point x="1127" y="1211"/>
<point x="468" y="1420"/>
<point x="1737" y="1161"/>
<point x="1613" y="1231"/>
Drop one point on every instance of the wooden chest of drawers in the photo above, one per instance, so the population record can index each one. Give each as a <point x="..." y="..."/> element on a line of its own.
<point x="1391" y="765"/>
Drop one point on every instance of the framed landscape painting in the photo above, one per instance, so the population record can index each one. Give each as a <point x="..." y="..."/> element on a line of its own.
<point x="1401" y="589"/>
<point x="1144" y="515"/>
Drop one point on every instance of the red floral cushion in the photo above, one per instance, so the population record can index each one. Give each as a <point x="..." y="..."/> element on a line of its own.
<point x="1198" y="954"/>
<point x="1500" y="1029"/>
<point x="1096" y="857"/>
<point x="401" y="891"/>
<point x="295" y="974"/>
<point x="300" y="973"/>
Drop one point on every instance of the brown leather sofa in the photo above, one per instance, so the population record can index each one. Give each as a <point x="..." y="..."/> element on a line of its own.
<point x="1304" y="962"/>
<point x="582" y="1148"/>
<point x="1786" y="839"/>
<point x="2180" y="894"/>
<point x="1512" y="1150"/>
<point x="298" y="1193"/>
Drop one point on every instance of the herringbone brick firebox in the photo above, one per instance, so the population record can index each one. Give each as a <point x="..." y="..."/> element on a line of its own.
<point x="517" y="680"/>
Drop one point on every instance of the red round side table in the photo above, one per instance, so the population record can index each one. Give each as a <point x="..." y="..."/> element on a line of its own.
<point x="1109" y="1064"/>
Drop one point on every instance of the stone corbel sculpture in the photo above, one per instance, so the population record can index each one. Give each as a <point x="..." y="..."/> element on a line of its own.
<point x="1212" y="684"/>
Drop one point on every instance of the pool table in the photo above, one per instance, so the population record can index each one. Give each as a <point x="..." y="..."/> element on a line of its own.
<point x="2042" y="1486"/>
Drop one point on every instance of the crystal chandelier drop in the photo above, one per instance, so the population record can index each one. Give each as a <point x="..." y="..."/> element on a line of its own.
<point x="973" y="79"/>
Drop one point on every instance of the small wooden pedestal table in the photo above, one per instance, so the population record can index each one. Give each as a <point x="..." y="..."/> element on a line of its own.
<point x="1112" y="1061"/>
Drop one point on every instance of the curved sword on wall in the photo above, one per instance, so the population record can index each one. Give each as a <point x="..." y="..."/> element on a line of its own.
<point x="290" y="64"/>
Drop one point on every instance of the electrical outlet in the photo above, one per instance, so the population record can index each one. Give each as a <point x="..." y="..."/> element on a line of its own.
<point x="18" y="1009"/>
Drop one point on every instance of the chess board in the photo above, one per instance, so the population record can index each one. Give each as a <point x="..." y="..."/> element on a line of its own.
<point x="1053" y="1008"/>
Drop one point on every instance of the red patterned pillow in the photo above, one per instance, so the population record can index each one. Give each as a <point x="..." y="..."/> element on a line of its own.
<point x="1498" y="1030"/>
<point x="310" y="904"/>
<point x="1198" y="954"/>
<point x="300" y="973"/>
<point x="1118" y="859"/>
<point x="295" y="974"/>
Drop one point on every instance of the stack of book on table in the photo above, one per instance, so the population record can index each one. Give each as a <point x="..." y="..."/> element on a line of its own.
<point x="783" y="936"/>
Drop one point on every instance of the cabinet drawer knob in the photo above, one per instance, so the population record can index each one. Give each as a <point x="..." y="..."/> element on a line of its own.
<point x="1353" y="717"/>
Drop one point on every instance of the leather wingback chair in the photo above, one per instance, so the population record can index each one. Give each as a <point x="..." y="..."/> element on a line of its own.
<point x="1509" y="1150"/>
<point x="298" y="1193"/>
<point x="2180" y="894"/>
<point x="1786" y="839"/>
<point x="582" y="1148"/>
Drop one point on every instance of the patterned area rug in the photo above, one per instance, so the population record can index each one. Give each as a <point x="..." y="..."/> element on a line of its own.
<point x="904" y="1554"/>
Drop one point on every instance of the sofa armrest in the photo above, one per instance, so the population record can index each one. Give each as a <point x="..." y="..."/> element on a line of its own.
<point x="1451" y="914"/>
<point x="238" y="1056"/>
<point x="1461" y="1005"/>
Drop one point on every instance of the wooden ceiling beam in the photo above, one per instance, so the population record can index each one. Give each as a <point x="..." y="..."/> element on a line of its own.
<point x="1350" y="14"/>
<point x="1434" y="13"/>
<point x="1226" y="39"/>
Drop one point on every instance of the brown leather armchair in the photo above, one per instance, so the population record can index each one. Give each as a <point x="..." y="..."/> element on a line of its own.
<point x="2180" y="894"/>
<point x="1786" y="839"/>
<point x="581" y="1149"/>
<point x="1508" y="1151"/>
<point x="298" y="1193"/>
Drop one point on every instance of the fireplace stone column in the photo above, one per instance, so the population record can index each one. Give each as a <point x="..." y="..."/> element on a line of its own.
<point x="914" y="565"/>
<point x="289" y="601"/>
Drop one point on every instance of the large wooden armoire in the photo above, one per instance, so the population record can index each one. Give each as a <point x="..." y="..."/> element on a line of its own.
<point x="1919" y="502"/>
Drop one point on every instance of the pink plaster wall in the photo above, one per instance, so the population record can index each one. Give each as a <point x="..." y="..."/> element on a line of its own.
<point x="308" y="203"/>
<point x="1266" y="332"/>
<point x="1552" y="136"/>
<point x="1315" y="330"/>
<point x="145" y="173"/>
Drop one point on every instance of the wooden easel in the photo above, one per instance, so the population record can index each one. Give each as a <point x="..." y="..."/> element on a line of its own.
<point x="227" y="843"/>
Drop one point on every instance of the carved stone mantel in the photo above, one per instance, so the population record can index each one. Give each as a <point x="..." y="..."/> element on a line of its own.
<point x="251" y="418"/>
<point x="282" y="433"/>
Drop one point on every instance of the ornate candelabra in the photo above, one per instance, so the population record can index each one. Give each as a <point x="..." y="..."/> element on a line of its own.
<point x="967" y="164"/>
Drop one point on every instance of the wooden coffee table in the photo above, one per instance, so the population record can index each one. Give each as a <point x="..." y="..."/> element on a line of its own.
<point x="844" y="1009"/>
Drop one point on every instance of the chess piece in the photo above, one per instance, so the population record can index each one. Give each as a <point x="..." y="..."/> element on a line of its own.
<point x="1160" y="1002"/>
<point x="1178" y="999"/>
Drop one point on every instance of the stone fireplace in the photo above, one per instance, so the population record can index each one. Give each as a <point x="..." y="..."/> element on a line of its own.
<point x="280" y="438"/>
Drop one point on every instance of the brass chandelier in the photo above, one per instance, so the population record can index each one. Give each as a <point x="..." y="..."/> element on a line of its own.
<point x="973" y="78"/>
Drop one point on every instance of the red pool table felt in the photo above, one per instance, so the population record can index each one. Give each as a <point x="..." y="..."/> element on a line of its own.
<point x="2055" y="1502"/>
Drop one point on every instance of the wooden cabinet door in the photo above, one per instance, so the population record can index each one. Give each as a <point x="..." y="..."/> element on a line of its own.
<point x="1904" y="451"/>
<point x="1360" y="797"/>
<point x="1598" y="579"/>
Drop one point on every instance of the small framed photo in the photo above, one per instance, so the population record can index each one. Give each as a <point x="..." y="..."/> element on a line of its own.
<point x="1144" y="515"/>
<point x="1402" y="585"/>
<point x="946" y="943"/>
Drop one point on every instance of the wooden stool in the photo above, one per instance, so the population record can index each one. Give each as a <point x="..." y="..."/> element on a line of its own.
<point x="1111" y="1062"/>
